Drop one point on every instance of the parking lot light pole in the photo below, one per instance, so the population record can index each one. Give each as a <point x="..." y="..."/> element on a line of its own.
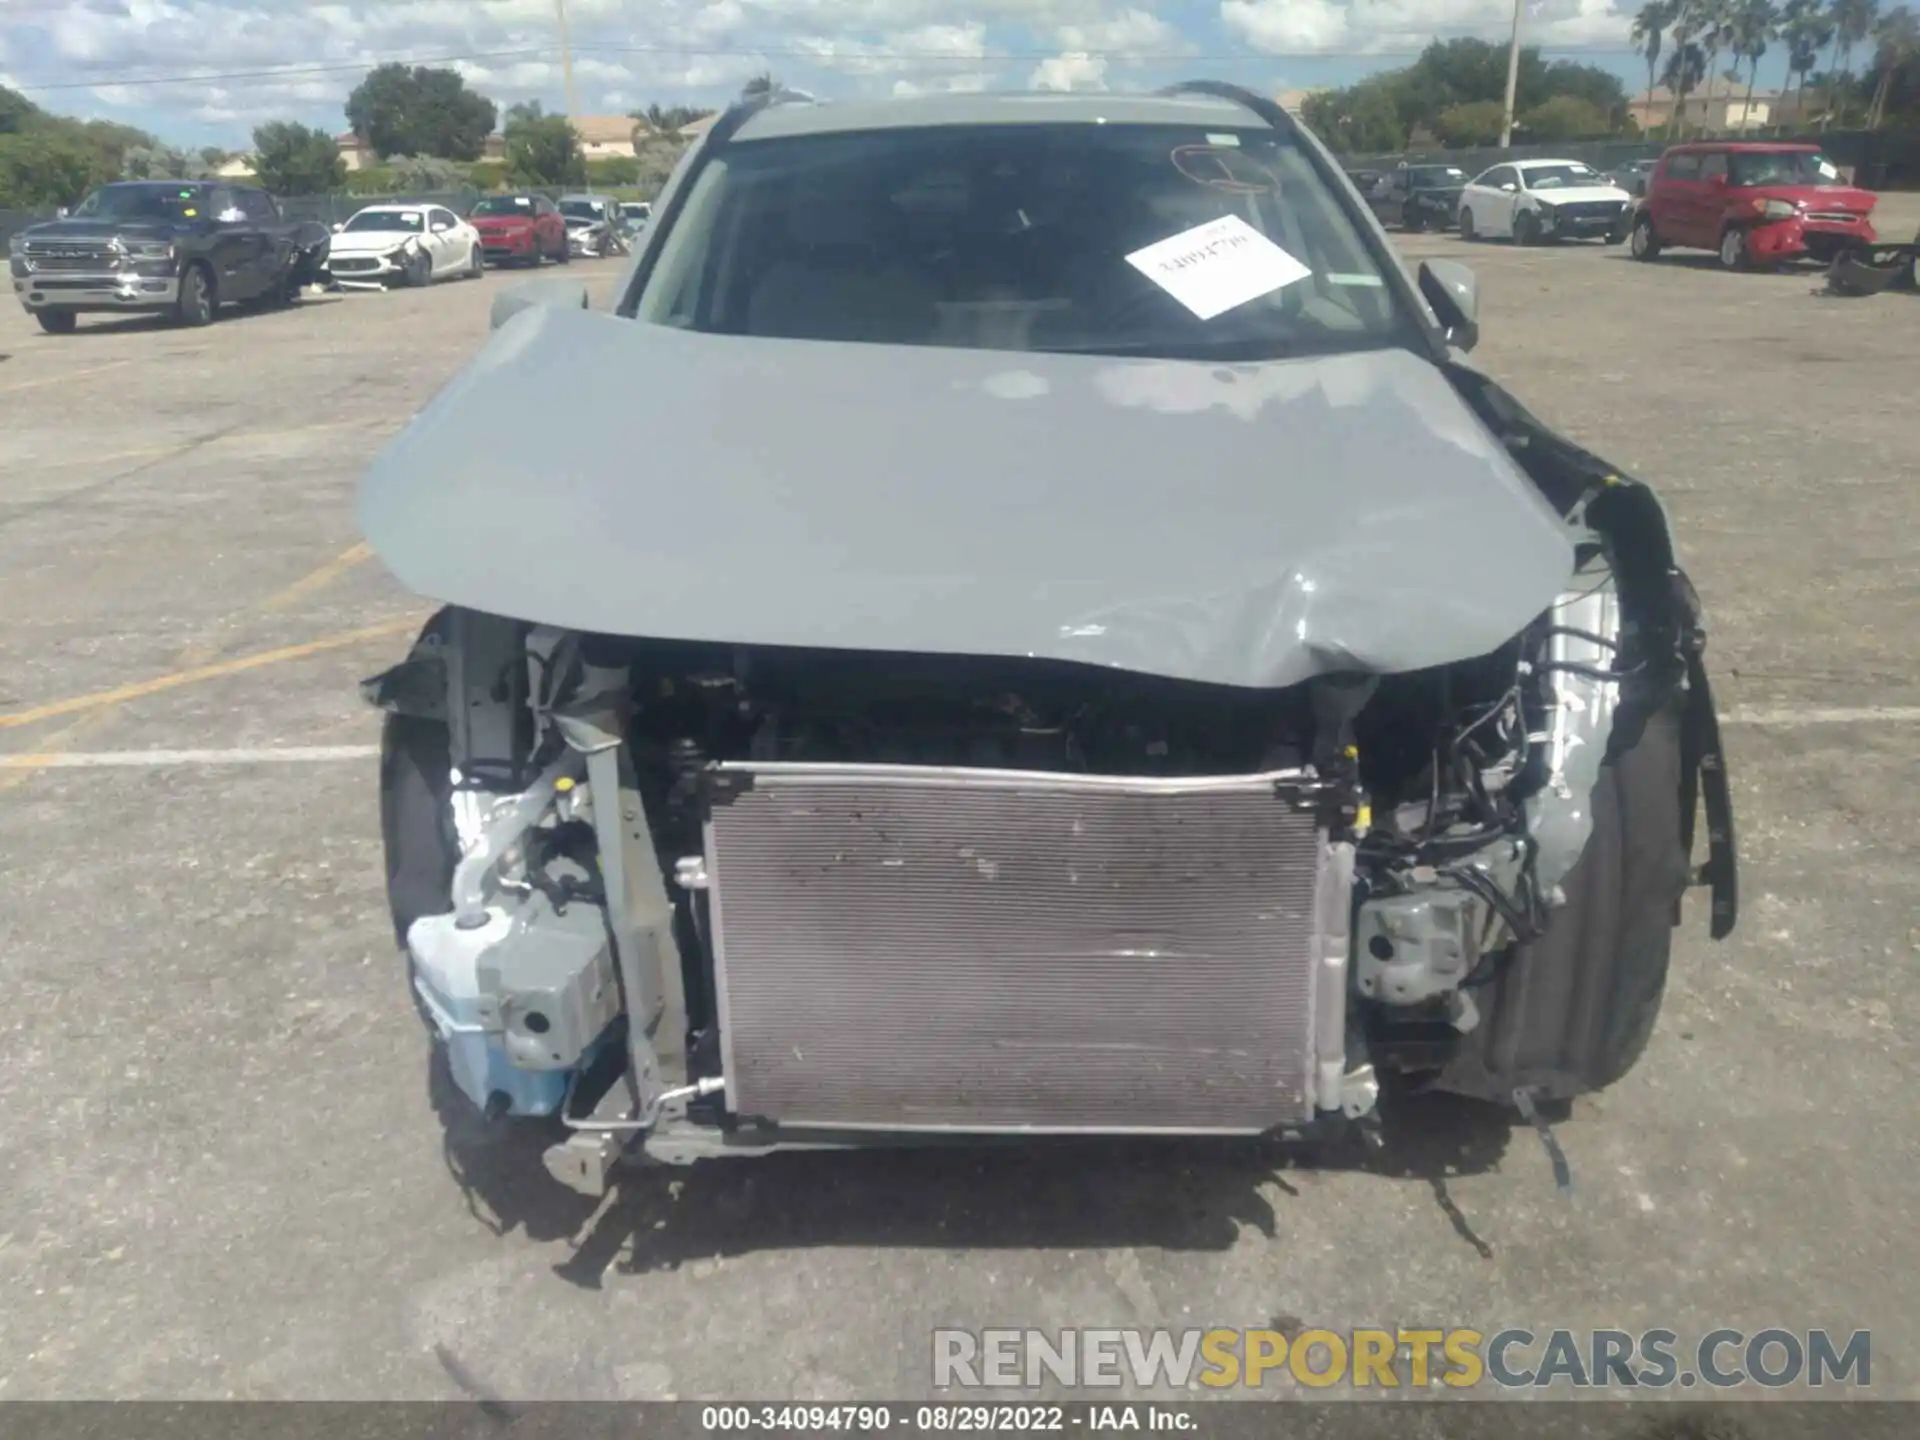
<point x="1513" y="78"/>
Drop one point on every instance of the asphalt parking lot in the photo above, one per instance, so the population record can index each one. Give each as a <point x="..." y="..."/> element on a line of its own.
<point x="225" y="1173"/>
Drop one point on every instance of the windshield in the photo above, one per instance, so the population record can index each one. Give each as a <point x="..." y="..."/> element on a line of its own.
<point x="1782" y="167"/>
<point x="142" y="202"/>
<point x="1170" y="241"/>
<point x="580" y="209"/>
<point x="505" y="205"/>
<point x="1437" y="175"/>
<point x="1560" y="177"/>
<point x="409" y="222"/>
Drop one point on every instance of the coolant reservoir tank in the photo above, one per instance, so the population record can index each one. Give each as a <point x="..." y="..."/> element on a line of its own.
<point x="446" y="974"/>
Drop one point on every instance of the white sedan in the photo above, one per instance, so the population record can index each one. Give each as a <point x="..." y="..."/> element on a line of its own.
<point x="406" y="245"/>
<point x="1535" y="200"/>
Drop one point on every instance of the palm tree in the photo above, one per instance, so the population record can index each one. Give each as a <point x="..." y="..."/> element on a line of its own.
<point x="1750" y="29"/>
<point x="1896" y="43"/>
<point x="1852" y="22"/>
<point x="1806" y="29"/>
<point x="1649" y="32"/>
<point x="1684" y="68"/>
<point x="1712" y="18"/>
<point x="1680" y="74"/>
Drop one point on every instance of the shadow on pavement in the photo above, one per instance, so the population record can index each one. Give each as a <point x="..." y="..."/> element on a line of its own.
<point x="107" y="323"/>
<point x="1055" y="1194"/>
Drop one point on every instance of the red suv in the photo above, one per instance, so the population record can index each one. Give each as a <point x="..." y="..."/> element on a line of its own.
<point x="1754" y="203"/>
<point x="520" y="230"/>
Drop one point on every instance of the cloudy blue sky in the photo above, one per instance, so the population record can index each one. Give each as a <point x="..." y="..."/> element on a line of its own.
<point x="206" y="71"/>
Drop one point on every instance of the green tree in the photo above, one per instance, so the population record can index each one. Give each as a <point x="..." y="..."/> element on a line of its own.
<point x="1853" y="22"/>
<point x="1359" y="120"/>
<point x="428" y="174"/>
<point x="542" y="149"/>
<point x="1566" y="117"/>
<point x="1751" y="28"/>
<point x="1682" y="73"/>
<point x="1896" y="48"/>
<point x="1710" y="18"/>
<point x="295" y="159"/>
<point x="419" y="110"/>
<point x="163" y="162"/>
<point x="1806" y="29"/>
<point x="665" y="119"/>
<point x="1475" y="123"/>
<point x="1383" y="111"/>
<point x="1649" y="34"/>
<point x="40" y="169"/>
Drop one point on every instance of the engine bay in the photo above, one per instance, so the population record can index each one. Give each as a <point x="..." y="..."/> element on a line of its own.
<point x="1450" y="805"/>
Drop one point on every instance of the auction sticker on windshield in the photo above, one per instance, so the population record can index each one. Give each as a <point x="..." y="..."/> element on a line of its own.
<point x="1215" y="267"/>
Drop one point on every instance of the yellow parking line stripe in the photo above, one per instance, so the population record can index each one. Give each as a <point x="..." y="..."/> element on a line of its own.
<point x="193" y="676"/>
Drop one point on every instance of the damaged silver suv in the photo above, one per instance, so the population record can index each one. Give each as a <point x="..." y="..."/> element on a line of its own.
<point x="1034" y="630"/>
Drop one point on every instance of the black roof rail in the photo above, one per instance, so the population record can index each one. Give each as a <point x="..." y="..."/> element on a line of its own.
<point x="1259" y="104"/>
<point x="748" y="106"/>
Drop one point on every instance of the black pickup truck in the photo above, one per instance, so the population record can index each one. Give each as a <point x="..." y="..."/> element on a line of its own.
<point x="168" y="247"/>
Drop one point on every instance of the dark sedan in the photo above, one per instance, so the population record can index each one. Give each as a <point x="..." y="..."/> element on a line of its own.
<point x="1420" y="197"/>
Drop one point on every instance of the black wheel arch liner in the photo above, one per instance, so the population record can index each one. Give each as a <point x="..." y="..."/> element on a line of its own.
<point x="1574" y="1008"/>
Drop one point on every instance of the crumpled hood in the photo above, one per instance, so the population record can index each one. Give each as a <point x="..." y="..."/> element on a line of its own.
<point x="1582" y="195"/>
<point x="370" y="242"/>
<point x="1246" y="524"/>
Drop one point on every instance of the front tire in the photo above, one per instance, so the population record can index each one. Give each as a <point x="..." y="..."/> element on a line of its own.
<point x="1526" y="228"/>
<point x="197" y="302"/>
<point x="476" y="264"/>
<point x="416" y="808"/>
<point x="1733" y="249"/>
<point x="1412" y="223"/>
<point x="1579" y="1003"/>
<point x="565" y="257"/>
<point x="419" y="272"/>
<point x="57" y="322"/>
<point x="1642" y="242"/>
<point x="1467" y="232"/>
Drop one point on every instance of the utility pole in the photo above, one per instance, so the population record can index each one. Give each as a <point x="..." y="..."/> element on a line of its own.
<point x="566" y="73"/>
<point x="1513" y="77"/>
<point x="566" y="60"/>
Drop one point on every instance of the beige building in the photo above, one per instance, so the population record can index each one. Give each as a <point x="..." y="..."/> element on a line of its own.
<point x="1723" y="110"/>
<point x="605" y="136"/>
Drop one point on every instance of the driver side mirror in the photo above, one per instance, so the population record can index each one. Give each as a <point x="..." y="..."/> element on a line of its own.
<point x="1718" y="180"/>
<point x="1454" y="293"/>
<point x="1509" y="186"/>
<point x="338" y="226"/>
<point x="62" y="213"/>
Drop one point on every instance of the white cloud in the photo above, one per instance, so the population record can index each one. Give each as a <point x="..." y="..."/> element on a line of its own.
<point x="1306" y="27"/>
<point x="1130" y="34"/>
<point x="1075" y="70"/>
<point x="629" y="54"/>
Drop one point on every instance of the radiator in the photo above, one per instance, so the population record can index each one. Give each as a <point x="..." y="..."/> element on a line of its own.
<point x="914" y="948"/>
